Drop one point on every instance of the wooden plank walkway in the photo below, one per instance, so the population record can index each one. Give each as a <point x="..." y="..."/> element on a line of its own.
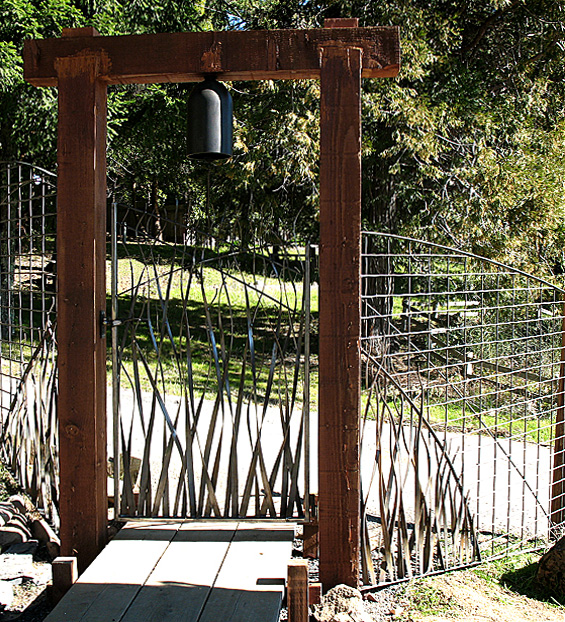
<point x="194" y="572"/>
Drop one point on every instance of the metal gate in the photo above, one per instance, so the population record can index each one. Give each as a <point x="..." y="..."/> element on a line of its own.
<point x="463" y="448"/>
<point x="210" y="372"/>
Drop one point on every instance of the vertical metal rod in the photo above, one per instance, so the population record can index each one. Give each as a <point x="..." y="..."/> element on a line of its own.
<point x="115" y="371"/>
<point x="558" y="468"/>
<point x="306" y="398"/>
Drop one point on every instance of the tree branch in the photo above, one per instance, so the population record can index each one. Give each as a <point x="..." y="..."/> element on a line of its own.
<point x="485" y="27"/>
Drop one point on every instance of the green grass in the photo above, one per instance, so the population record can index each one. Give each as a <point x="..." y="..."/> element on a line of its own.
<point x="427" y="599"/>
<point x="452" y="417"/>
<point x="428" y="596"/>
<point x="518" y="574"/>
<point x="224" y="300"/>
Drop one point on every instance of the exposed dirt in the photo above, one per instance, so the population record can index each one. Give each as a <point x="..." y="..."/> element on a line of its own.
<point x="466" y="596"/>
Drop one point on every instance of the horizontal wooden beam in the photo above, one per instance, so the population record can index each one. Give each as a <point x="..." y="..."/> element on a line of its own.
<point x="233" y="55"/>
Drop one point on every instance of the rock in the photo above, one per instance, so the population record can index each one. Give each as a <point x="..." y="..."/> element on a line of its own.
<point x="341" y="604"/>
<point x="41" y="530"/>
<point x="23" y="548"/>
<point x="20" y="504"/>
<point x="6" y="594"/>
<point x="6" y="512"/>
<point x="13" y="566"/>
<point x="10" y="535"/>
<point x="20" y="522"/>
<point x="551" y="569"/>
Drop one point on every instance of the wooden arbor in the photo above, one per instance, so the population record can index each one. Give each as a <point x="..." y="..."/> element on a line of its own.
<point x="82" y="64"/>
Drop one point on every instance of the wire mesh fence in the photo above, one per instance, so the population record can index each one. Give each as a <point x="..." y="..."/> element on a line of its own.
<point x="210" y="371"/>
<point x="28" y="387"/>
<point x="463" y="448"/>
<point x="463" y="409"/>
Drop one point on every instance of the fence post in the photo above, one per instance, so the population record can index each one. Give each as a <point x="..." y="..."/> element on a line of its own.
<point x="81" y="257"/>
<point x="340" y="313"/>
<point x="558" y="471"/>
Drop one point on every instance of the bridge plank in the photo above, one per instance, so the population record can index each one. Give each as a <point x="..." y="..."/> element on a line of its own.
<point x="110" y="584"/>
<point x="179" y="585"/>
<point x="194" y="572"/>
<point x="250" y="584"/>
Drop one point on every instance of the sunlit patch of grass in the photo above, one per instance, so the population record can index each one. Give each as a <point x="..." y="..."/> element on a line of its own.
<point x="229" y="304"/>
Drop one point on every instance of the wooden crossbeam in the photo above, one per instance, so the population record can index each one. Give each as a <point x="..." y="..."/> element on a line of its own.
<point x="234" y="55"/>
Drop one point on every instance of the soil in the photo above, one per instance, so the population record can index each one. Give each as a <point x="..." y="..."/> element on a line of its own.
<point x="460" y="596"/>
<point x="466" y="596"/>
<point x="32" y="602"/>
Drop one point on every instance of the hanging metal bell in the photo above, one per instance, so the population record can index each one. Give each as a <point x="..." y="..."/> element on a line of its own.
<point x="210" y="120"/>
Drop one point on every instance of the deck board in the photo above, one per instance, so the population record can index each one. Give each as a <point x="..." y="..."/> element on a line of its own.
<point x="179" y="586"/>
<point x="194" y="572"/>
<point x="112" y="581"/>
<point x="250" y="583"/>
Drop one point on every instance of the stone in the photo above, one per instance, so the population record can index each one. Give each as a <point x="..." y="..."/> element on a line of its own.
<point x="6" y="594"/>
<point x="41" y="530"/>
<point x="341" y="604"/>
<point x="6" y="513"/>
<point x="551" y="569"/>
<point x="11" y="535"/>
<point x="20" y="504"/>
<point x="20" y="522"/>
<point x="23" y="548"/>
<point x="13" y="566"/>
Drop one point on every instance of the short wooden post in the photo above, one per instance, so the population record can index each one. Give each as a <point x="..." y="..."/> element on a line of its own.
<point x="297" y="591"/>
<point x="314" y="593"/>
<point x="65" y="574"/>
<point x="558" y="470"/>
<point x="310" y="549"/>
<point x="340" y="314"/>
<point x="81" y="256"/>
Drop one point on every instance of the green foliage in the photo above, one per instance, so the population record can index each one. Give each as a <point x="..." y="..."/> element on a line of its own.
<point x="518" y="574"/>
<point x="28" y="117"/>
<point x="464" y="147"/>
<point x="427" y="599"/>
<point x="8" y="485"/>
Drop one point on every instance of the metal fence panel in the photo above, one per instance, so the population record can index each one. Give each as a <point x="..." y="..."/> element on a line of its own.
<point x="209" y="366"/>
<point x="28" y="417"/>
<point x="463" y="409"/>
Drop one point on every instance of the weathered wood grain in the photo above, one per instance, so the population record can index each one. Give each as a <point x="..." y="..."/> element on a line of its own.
<point x="81" y="255"/>
<point x="179" y="586"/>
<point x="340" y="316"/>
<point x="250" y="583"/>
<point x="235" y="55"/>
<point x="168" y="572"/>
<point x="297" y="591"/>
<point x="110" y="584"/>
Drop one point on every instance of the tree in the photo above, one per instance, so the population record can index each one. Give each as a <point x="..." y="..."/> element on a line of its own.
<point x="464" y="147"/>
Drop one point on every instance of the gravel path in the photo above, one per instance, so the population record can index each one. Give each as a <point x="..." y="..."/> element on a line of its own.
<point x="506" y="481"/>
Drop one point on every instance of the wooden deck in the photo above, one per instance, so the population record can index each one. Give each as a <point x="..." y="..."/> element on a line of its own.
<point x="194" y="572"/>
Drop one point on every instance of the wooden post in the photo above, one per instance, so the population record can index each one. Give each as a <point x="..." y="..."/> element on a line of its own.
<point x="297" y="591"/>
<point x="65" y="574"/>
<point x="81" y="256"/>
<point x="558" y="470"/>
<point x="340" y="314"/>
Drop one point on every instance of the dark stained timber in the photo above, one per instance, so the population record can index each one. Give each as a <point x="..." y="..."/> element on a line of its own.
<point x="234" y="55"/>
<point x="81" y="224"/>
